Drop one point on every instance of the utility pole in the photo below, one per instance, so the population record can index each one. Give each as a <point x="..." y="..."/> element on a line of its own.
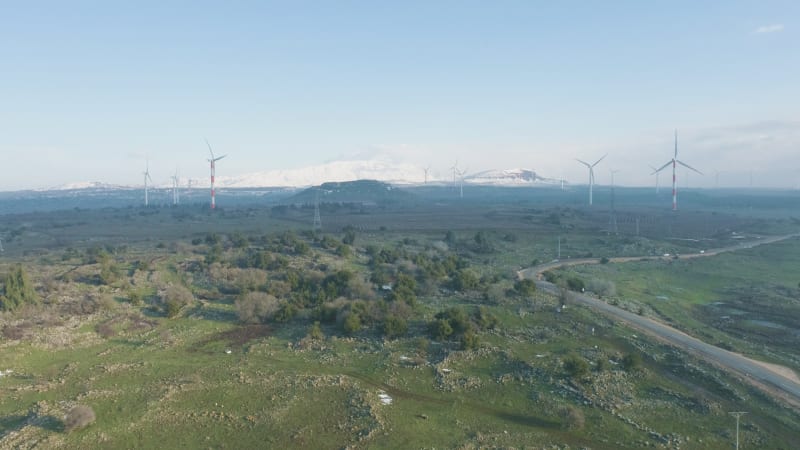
<point x="559" y="247"/>
<point x="738" y="415"/>
<point x="317" y="225"/>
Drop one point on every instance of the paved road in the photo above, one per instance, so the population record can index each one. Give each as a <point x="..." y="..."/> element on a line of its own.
<point x="763" y="377"/>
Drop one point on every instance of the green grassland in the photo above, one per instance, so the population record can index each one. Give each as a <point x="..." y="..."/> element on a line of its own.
<point x="747" y="301"/>
<point x="198" y="377"/>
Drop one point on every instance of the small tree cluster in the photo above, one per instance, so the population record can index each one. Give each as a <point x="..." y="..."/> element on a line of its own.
<point x="17" y="290"/>
<point x="455" y="322"/>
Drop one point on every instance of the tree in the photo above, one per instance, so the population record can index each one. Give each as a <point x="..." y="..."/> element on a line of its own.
<point x="394" y="326"/>
<point x="575" y="284"/>
<point x="441" y="329"/>
<point x="526" y="287"/>
<point x="466" y="280"/>
<point x="352" y="323"/>
<point x="349" y="235"/>
<point x="315" y="332"/>
<point x="175" y="298"/>
<point x="469" y="340"/>
<point x="404" y="289"/>
<point x="17" y="290"/>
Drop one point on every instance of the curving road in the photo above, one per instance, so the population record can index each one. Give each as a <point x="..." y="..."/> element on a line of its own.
<point x="754" y="372"/>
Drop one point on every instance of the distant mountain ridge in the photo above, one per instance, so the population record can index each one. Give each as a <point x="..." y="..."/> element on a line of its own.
<point x="339" y="171"/>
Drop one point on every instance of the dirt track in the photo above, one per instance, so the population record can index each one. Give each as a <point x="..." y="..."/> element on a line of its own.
<point x="775" y="380"/>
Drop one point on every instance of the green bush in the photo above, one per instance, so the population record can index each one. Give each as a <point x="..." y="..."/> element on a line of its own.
<point x="575" y="366"/>
<point x="352" y="323"/>
<point x="526" y="287"/>
<point x="394" y="326"/>
<point x="632" y="361"/>
<point x="17" y="290"/>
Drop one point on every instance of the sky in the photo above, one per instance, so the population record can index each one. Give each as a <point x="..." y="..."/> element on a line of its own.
<point x="90" y="90"/>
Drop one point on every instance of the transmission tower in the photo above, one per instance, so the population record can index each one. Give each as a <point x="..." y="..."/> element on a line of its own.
<point x="317" y="226"/>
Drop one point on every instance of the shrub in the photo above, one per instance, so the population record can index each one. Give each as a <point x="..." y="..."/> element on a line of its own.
<point x="485" y="319"/>
<point x="603" y="288"/>
<point x="631" y="361"/>
<point x="469" y="340"/>
<point x="135" y="298"/>
<point x="256" y="307"/>
<point x="78" y="417"/>
<point x="572" y="418"/>
<point x="576" y="366"/>
<point x="526" y="287"/>
<point x="441" y="329"/>
<point x="315" y="332"/>
<point x="17" y="290"/>
<point x="175" y="298"/>
<point x="575" y="284"/>
<point x="394" y="326"/>
<point x="352" y="323"/>
<point x="466" y="280"/>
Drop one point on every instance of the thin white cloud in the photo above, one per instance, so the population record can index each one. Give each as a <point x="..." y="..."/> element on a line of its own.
<point x="775" y="28"/>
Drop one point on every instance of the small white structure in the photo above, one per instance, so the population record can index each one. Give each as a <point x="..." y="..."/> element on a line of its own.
<point x="385" y="398"/>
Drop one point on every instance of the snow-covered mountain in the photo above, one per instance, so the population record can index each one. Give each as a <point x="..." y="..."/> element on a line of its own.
<point x="383" y="170"/>
<point x="509" y="177"/>
<point x="335" y="171"/>
<point x="96" y="185"/>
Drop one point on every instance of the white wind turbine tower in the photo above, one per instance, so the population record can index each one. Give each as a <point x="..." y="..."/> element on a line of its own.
<point x="455" y="169"/>
<point x="674" y="162"/>
<point x="591" y="174"/>
<point x="176" y="196"/>
<point x="655" y="171"/>
<point x="146" y="174"/>
<point x="461" y="174"/>
<point x="213" y="161"/>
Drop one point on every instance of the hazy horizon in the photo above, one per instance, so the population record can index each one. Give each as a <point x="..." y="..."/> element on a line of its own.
<point x="93" y="90"/>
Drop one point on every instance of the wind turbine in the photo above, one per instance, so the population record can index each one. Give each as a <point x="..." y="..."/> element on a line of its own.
<point x="213" y="161"/>
<point x="655" y="171"/>
<point x="591" y="174"/>
<point x="461" y="174"/>
<point x="176" y="196"/>
<point x="674" y="162"/>
<point x="427" y="169"/>
<point x="146" y="174"/>
<point x="455" y="169"/>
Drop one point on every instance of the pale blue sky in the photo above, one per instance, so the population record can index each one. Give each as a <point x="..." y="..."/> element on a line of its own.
<point x="89" y="88"/>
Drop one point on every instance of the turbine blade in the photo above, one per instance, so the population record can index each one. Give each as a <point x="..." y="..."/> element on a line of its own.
<point x="209" y="148"/>
<point x="598" y="161"/>
<point x="688" y="166"/>
<point x="676" y="143"/>
<point x="217" y="159"/>
<point x="584" y="163"/>
<point x="662" y="167"/>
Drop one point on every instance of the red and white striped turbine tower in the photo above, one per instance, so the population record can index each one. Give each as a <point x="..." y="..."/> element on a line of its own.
<point x="213" y="161"/>
<point x="674" y="162"/>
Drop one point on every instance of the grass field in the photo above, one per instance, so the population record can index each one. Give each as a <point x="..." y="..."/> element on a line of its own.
<point x="203" y="379"/>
